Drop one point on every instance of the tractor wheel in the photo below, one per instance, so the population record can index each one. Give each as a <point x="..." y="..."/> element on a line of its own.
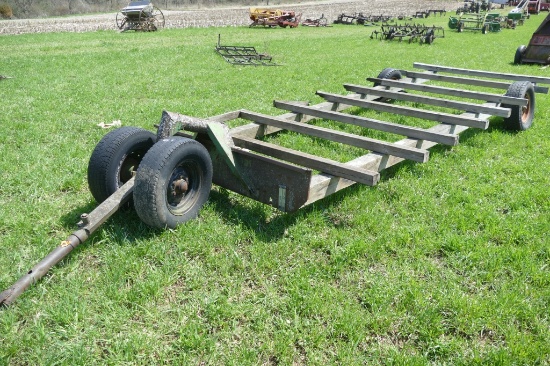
<point x="173" y="182"/>
<point x="519" y="54"/>
<point x="120" y="20"/>
<point x="521" y="118"/>
<point x="115" y="158"/>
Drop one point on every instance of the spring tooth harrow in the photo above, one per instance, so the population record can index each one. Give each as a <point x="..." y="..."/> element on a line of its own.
<point x="410" y="32"/>
<point x="244" y="55"/>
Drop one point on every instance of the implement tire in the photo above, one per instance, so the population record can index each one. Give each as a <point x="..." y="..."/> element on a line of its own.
<point x="521" y="118"/>
<point x="115" y="158"/>
<point x="388" y="73"/>
<point x="173" y="182"/>
<point x="519" y="54"/>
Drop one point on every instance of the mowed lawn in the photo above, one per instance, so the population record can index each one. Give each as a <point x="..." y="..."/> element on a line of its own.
<point x="445" y="262"/>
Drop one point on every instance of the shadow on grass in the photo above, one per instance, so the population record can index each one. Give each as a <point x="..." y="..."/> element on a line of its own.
<point x="257" y="217"/>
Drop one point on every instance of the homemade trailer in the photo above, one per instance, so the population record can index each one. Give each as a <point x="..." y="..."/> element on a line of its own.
<point x="140" y="16"/>
<point x="168" y="174"/>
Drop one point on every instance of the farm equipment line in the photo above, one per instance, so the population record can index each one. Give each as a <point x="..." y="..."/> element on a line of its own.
<point x="177" y="166"/>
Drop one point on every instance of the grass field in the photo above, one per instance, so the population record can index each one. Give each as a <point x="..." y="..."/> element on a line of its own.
<point x="445" y="262"/>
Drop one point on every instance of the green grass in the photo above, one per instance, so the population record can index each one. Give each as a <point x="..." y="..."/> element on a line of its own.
<point x="442" y="263"/>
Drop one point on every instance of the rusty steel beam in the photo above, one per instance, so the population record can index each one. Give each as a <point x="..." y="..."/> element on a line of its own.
<point x="89" y="224"/>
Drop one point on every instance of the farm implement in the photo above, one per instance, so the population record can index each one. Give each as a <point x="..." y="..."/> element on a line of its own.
<point x="484" y="22"/>
<point x="140" y="16"/>
<point x="538" y="49"/>
<point x="316" y="22"/>
<point x="274" y="18"/>
<point x="361" y="19"/>
<point x="474" y="6"/>
<point x="409" y="32"/>
<point x="168" y="175"/>
<point x="243" y="55"/>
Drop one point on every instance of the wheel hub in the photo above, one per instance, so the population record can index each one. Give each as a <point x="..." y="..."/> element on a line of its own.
<point x="179" y="187"/>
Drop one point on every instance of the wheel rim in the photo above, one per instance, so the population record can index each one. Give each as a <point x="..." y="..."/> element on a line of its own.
<point x="158" y="18"/>
<point x="182" y="188"/>
<point x="120" y="20"/>
<point x="526" y="110"/>
<point x="128" y="166"/>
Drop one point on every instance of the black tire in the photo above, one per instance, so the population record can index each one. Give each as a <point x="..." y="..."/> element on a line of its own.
<point x="521" y="118"/>
<point x="460" y="27"/>
<point x="115" y="158"/>
<point x="173" y="181"/>
<point x="484" y="29"/>
<point x="388" y="73"/>
<point x="519" y="54"/>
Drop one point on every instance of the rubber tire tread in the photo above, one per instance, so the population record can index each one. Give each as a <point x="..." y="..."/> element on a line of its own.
<point x="520" y="89"/>
<point x="108" y="155"/>
<point x="154" y="172"/>
<point x="389" y="73"/>
<point x="519" y="54"/>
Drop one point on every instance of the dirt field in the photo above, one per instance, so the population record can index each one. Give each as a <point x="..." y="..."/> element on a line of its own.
<point x="227" y="16"/>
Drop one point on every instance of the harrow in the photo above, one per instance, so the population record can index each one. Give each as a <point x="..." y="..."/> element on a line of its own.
<point x="243" y="55"/>
<point x="410" y="32"/>
<point x="361" y="19"/>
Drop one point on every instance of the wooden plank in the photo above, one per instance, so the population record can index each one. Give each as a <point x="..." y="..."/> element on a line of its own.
<point x="480" y="73"/>
<point x="412" y="132"/>
<point x="329" y="166"/>
<point x="322" y="186"/>
<point x="225" y="117"/>
<point x="382" y="147"/>
<point x="420" y="113"/>
<point x="415" y="98"/>
<point x="455" y="79"/>
<point x="467" y="81"/>
<point x="488" y="97"/>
